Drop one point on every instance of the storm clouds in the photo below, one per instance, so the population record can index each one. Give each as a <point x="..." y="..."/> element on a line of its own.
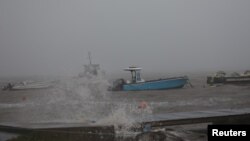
<point x="46" y="37"/>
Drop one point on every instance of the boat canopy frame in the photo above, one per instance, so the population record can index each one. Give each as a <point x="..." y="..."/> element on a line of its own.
<point x="135" y="74"/>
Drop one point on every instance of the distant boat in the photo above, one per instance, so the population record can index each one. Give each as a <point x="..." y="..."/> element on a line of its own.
<point x="26" y="86"/>
<point x="221" y="78"/>
<point x="138" y="84"/>
<point x="90" y="69"/>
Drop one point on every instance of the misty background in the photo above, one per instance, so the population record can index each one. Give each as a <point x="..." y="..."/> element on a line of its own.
<point x="53" y="37"/>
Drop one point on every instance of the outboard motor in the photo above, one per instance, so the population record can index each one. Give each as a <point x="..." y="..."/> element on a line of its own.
<point x="9" y="86"/>
<point x="118" y="85"/>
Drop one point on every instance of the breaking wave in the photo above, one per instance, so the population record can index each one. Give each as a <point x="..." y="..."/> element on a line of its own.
<point x="79" y="100"/>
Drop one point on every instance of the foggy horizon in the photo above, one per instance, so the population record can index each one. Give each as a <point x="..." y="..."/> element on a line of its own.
<point x="53" y="37"/>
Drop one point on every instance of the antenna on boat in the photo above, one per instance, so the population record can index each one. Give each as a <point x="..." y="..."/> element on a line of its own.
<point x="89" y="54"/>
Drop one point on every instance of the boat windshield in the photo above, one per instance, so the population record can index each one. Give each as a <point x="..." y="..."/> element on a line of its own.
<point x="133" y="74"/>
<point x="138" y="76"/>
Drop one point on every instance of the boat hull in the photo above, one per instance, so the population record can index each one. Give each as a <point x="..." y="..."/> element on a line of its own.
<point x="228" y="80"/>
<point x="28" y="86"/>
<point x="162" y="84"/>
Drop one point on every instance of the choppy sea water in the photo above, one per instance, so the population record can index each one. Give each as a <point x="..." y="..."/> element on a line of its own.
<point x="82" y="100"/>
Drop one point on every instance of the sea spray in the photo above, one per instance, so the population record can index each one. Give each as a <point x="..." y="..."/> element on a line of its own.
<point x="84" y="96"/>
<point x="96" y="105"/>
<point x="125" y="117"/>
<point x="80" y="100"/>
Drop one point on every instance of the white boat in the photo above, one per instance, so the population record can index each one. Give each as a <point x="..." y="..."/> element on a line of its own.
<point x="27" y="85"/>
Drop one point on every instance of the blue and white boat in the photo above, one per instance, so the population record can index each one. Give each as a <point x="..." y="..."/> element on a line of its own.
<point x="139" y="84"/>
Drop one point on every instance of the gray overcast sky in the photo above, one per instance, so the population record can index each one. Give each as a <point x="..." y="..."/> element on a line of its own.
<point x="54" y="36"/>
